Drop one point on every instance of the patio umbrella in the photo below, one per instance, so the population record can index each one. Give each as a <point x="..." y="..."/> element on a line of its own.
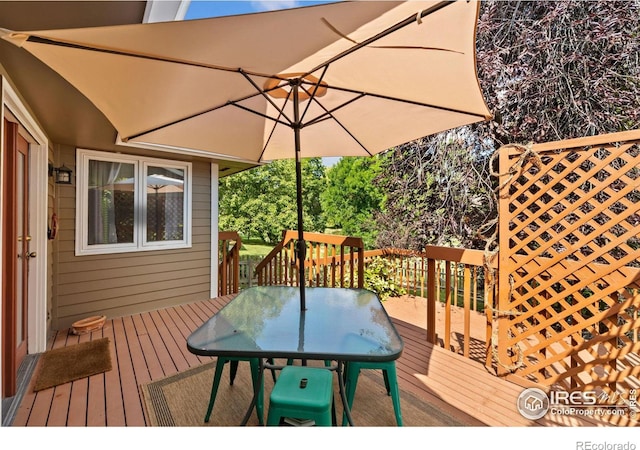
<point x="339" y="79"/>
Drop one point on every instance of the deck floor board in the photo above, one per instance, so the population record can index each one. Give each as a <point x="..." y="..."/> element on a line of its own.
<point x="149" y="346"/>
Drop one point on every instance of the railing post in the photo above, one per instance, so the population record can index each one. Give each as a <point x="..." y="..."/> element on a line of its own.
<point x="431" y="301"/>
<point x="236" y="266"/>
<point x="229" y="262"/>
<point x="500" y="347"/>
<point x="361" y="267"/>
<point x="447" y="304"/>
<point x="223" y="270"/>
<point x="466" y="292"/>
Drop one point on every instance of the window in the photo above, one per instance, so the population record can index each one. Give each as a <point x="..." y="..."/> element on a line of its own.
<point x="129" y="203"/>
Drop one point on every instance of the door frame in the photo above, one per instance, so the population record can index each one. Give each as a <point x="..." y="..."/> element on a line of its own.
<point x="14" y="110"/>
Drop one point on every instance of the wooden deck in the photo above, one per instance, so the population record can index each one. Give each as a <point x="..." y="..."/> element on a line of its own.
<point x="152" y="345"/>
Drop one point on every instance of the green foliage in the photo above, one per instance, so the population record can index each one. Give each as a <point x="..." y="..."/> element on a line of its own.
<point x="351" y="197"/>
<point x="378" y="277"/>
<point x="261" y="202"/>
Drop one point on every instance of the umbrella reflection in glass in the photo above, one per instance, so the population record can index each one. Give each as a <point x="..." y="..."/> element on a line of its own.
<point x="164" y="205"/>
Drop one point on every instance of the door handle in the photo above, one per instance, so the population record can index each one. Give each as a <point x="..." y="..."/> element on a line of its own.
<point x="30" y="255"/>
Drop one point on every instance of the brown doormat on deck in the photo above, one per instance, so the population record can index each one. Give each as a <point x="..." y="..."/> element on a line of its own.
<point x="181" y="400"/>
<point x="65" y="364"/>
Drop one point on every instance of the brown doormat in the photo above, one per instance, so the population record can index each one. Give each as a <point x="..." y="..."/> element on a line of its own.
<point x="181" y="400"/>
<point x="66" y="364"/>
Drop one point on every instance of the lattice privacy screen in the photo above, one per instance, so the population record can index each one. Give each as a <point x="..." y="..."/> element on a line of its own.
<point x="569" y="274"/>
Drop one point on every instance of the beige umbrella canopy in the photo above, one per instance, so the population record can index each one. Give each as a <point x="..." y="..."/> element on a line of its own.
<point x="155" y="184"/>
<point x="339" y="79"/>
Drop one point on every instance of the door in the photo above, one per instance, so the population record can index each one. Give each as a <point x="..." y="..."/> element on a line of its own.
<point x="16" y="255"/>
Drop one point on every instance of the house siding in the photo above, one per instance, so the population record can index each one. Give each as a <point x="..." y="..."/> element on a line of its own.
<point x="128" y="283"/>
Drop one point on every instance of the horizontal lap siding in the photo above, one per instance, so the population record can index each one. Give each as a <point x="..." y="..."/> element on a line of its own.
<point x="129" y="283"/>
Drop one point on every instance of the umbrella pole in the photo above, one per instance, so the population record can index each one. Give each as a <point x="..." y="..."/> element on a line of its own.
<point x="302" y="247"/>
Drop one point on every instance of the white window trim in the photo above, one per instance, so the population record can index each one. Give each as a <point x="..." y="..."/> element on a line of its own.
<point x="83" y="156"/>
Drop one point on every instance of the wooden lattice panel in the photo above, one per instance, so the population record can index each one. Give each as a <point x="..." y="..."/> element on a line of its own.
<point x="569" y="274"/>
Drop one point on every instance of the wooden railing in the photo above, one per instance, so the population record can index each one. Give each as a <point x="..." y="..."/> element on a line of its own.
<point x="331" y="261"/>
<point x="452" y="279"/>
<point x="248" y="276"/>
<point x="229" y="244"/>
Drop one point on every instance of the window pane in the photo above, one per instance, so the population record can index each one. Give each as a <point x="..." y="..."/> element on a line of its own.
<point x="110" y="202"/>
<point x="165" y="204"/>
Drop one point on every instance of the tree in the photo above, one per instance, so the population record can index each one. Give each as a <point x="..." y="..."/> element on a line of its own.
<point x="351" y="198"/>
<point x="549" y="70"/>
<point x="261" y="202"/>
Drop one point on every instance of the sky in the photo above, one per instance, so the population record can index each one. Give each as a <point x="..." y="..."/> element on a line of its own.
<point x="199" y="9"/>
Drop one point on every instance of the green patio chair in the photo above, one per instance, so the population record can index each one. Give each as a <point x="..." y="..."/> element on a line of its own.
<point x="233" y="364"/>
<point x="352" y="371"/>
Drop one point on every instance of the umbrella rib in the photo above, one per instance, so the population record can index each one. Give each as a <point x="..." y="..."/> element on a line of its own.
<point x="399" y="47"/>
<point x="273" y="130"/>
<point x="258" y="113"/>
<point x="384" y="33"/>
<point x="412" y="102"/>
<point x="200" y="113"/>
<point x="48" y="41"/>
<point x="263" y="93"/>
<point x="266" y="144"/>
<point x="329" y="115"/>
<point x="312" y="95"/>
<point x="352" y="136"/>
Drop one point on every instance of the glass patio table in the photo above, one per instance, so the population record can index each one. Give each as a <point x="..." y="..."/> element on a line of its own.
<point x="266" y="322"/>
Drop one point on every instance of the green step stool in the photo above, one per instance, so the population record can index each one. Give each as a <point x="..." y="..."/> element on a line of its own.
<point x="303" y="393"/>
<point x="352" y="371"/>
